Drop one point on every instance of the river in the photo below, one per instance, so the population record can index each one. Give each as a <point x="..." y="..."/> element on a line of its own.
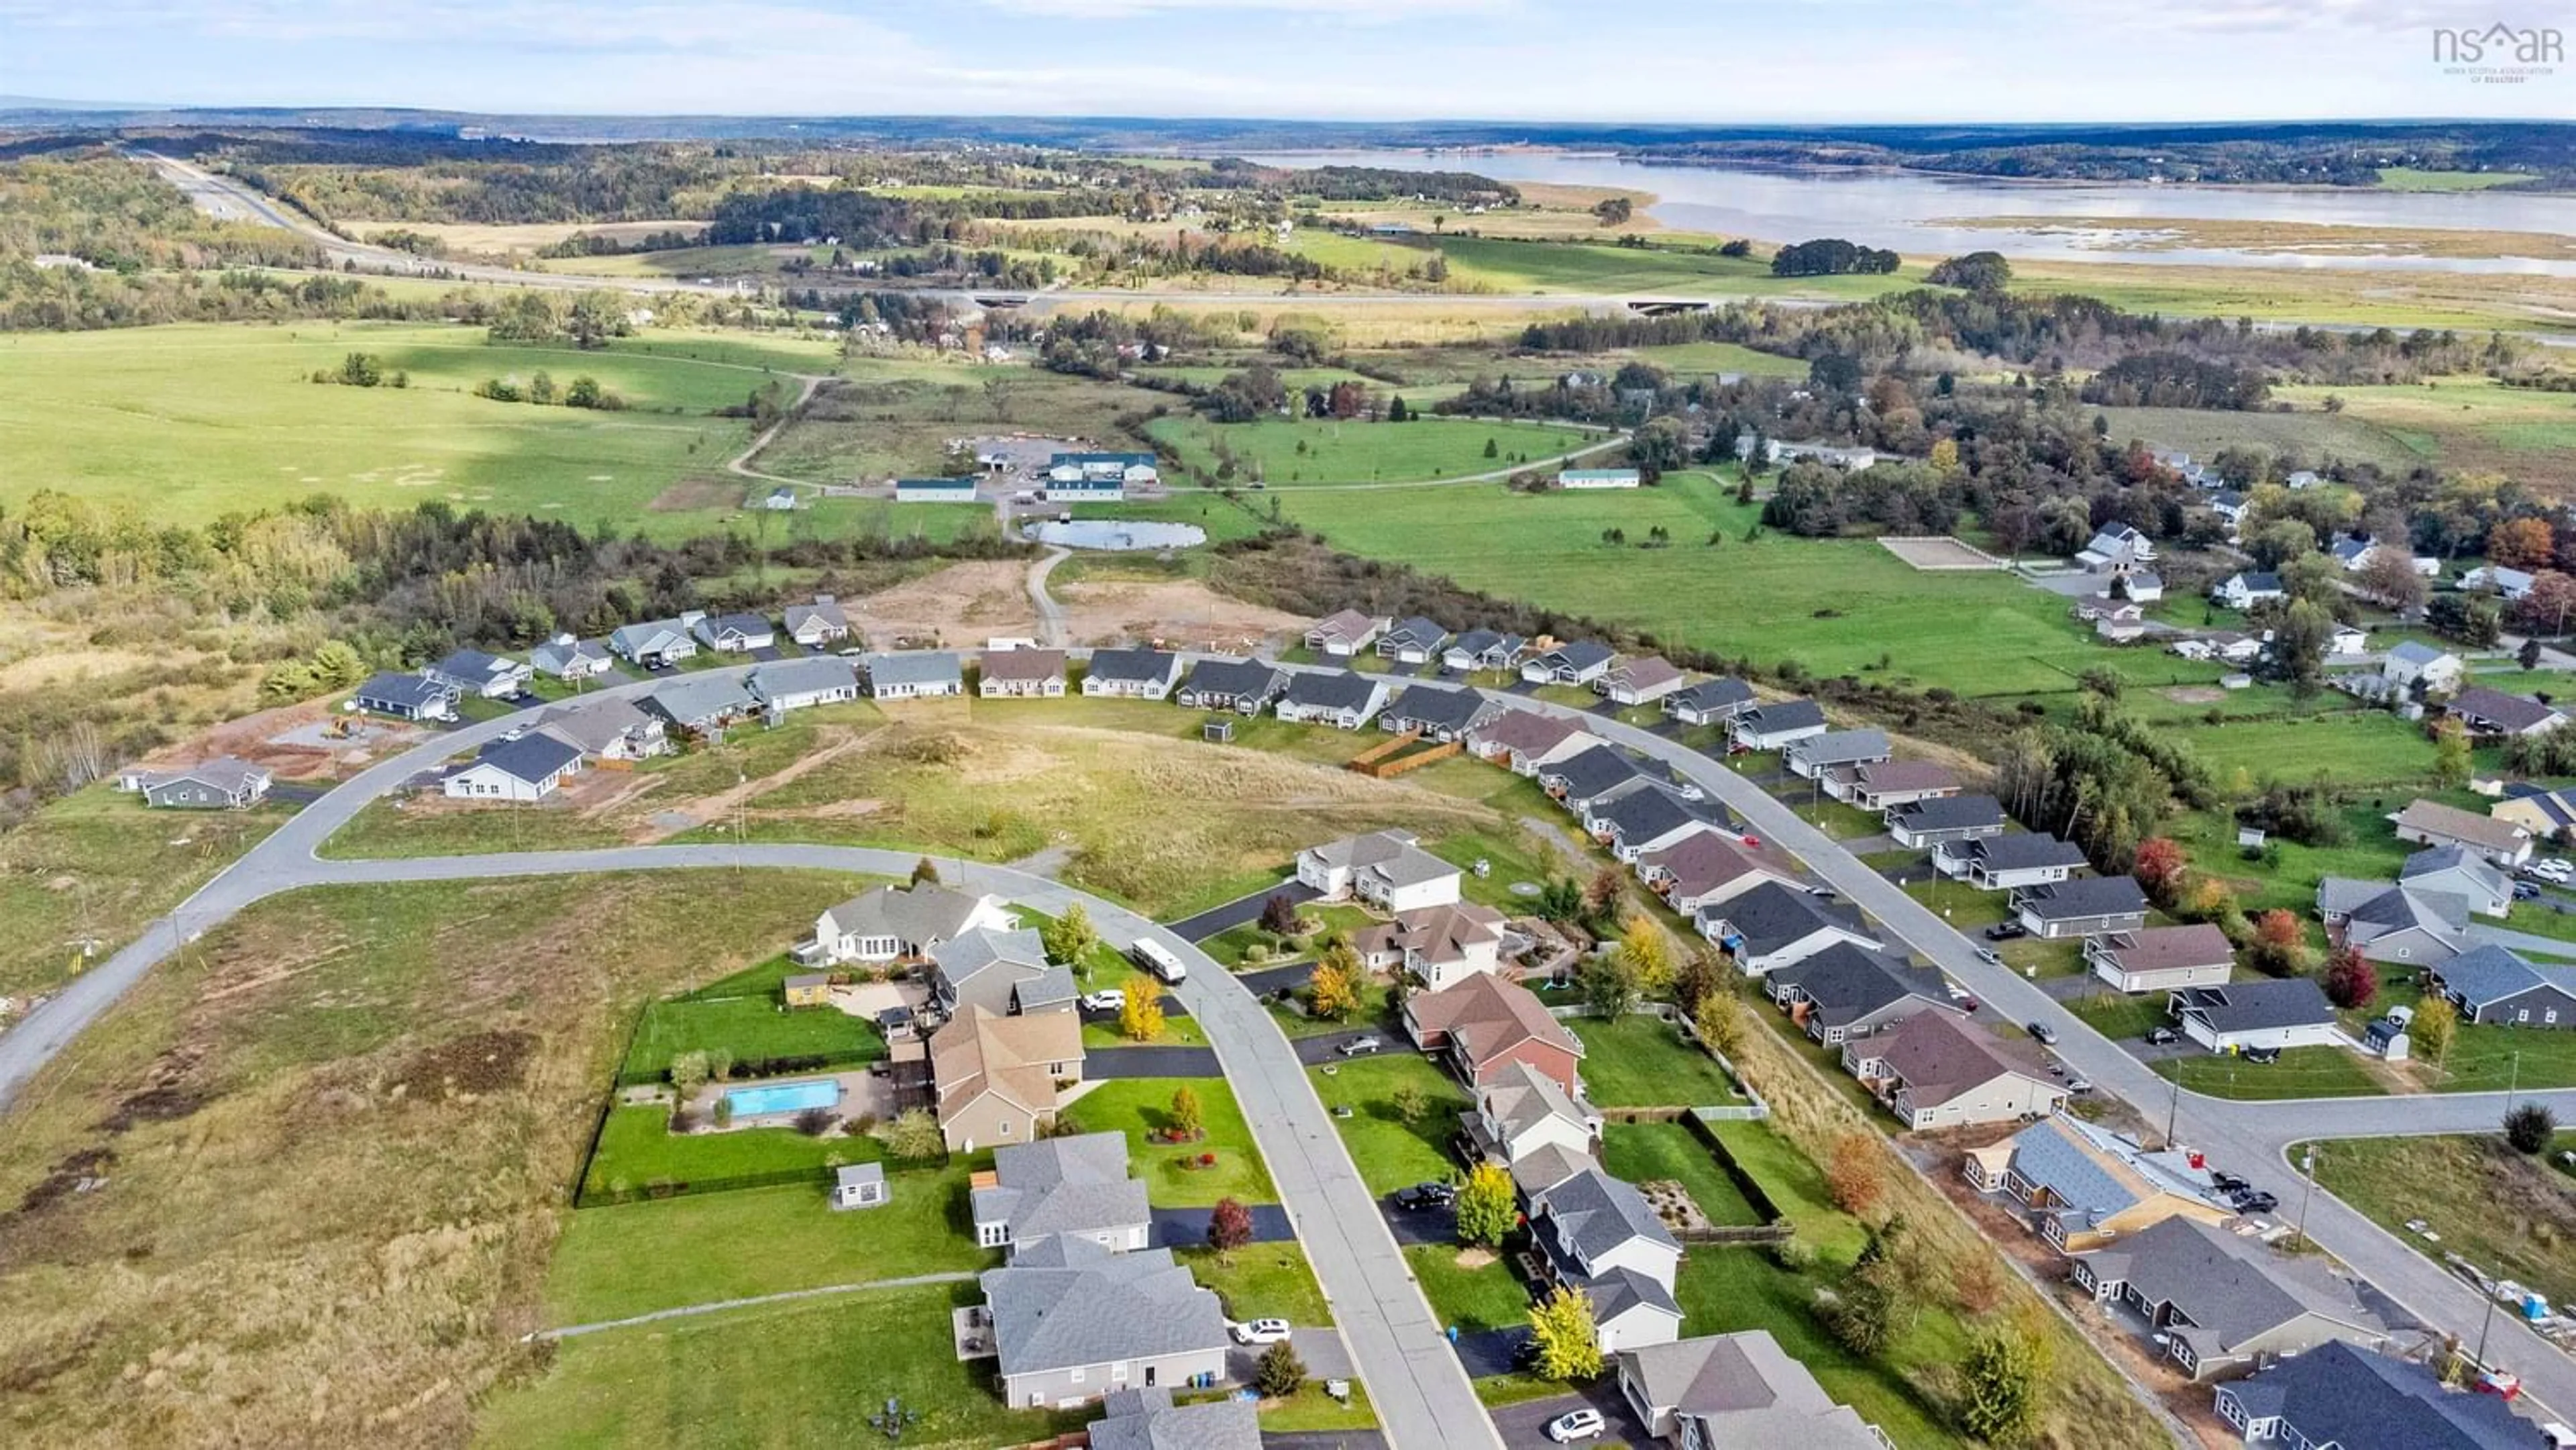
<point x="1919" y="214"/>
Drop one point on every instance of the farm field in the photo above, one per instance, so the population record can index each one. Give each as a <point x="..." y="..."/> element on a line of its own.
<point x="196" y="421"/>
<point x="2466" y="424"/>
<point x="894" y="419"/>
<point x="1722" y="357"/>
<point x="2317" y="437"/>
<point x="286" y="1068"/>
<point x="2411" y="178"/>
<point x="1287" y="452"/>
<point x="1835" y="606"/>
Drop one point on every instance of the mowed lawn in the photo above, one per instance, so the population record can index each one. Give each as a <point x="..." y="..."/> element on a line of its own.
<point x="1292" y="451"/>
<point x="1140" y="1107"/>
<point x="637" y="1149"/>
<point x="2353" y="748"/>
<point x="752" y="1029"/>
<point x="1391" y="1152"/>
<point x="806" y="1372"/>
<point x="1835" y="606"/>
<point x="1642" y="1062"/>
<point x="189" y="422"/>
<point x="1645" y="1152"/>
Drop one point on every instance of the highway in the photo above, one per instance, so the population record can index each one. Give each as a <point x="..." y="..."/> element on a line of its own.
<point x="2253" y="1138"/>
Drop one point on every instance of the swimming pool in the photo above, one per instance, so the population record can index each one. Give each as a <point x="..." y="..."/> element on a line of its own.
<point x="784" y="1097"/>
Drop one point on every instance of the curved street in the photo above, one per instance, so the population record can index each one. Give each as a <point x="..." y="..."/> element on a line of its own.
<point x="1420" y="1391"/>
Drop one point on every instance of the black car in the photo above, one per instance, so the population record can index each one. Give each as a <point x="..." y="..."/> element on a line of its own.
<point x="2162" y="1036"/>
<point x="2227" y="1183"/>
<point x="2262" y="1056"/>
<point x="2255" y="1200"/>
<point x="1425" y="1196"/>
<point x="2525" y="891"/>
<point x="1525" y="1352"/>
<point x="2006" y="931"/>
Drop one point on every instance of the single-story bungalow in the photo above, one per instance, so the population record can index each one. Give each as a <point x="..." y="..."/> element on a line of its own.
<point x="1133" y="674"/>
<point x="1846" y="992"/>
<point x="784" y="685"/>
<point x="1705" y="868"/>
<point x="1710" y="702"/>
<point x="1413" y="641"/>
<point x="518" y="768"/>
<point x="1774" y="726"/>
<point x="1345" y="634"/>
<point x="1483" y="649"/>
<point x="1945" y="818"/>
<point x="2270" y="1012"/>
<point x="2005" y="863"/>
<point x="567" y="658"/>
<point x="1583" y="478"/>
<point x="1437" y="712"/>
<point x="1639" y="681"/>
<point x="822" y="622"/>
<point x="472" y="672"/>
<point x="924" y="675"/>
<point x="406" y="697"/>
<point x="934" y="490"/>
<point x="1883" y="785"/>
<point x="2081" y="906"/>
<point x="1809" y="757"/>
<point x="1578" y="662"/>
<point x="1245" y="686"/>
<point x="2495" y="987"/>
<point x="1529" y="741"/>
<point x="1941" y="1070"/>
<point x="1021" y="674"/>
<point x="222" y="783"/>
<point x="2217" y="1301"/>
<point x="653" y="644"/>
<point x="733" y="634"/>
<point x="2161" y="958"/>
<point x="1343" y="698"/>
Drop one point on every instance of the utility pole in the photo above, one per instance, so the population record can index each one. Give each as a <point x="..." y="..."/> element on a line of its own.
<point x="2308" y="1162"/>
<point x="2173" y="1109"/>
<point x="2513" y="1084"/>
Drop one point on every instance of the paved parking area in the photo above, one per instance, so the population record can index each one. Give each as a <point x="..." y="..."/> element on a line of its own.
<point x="1187" y="1228"/>
<point x="1271" y="979"/>
<point x="1525" y="1424"/>
<point x="1421" y="1226"/>
<point x="1490" y="1352"/>
<point x="1240" y="910"/>
<point x="1149" y="1061"/>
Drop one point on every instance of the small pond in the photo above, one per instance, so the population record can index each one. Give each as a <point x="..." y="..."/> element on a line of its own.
<point x="1120" y="535"/>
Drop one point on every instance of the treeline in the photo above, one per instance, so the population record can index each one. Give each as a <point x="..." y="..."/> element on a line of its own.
<point x="2174" y="380"/>
<point x="1832" y="257"/>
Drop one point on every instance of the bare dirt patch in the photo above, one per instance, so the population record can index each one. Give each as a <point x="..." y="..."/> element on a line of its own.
<point x="257" y="738"/>
<point x="696" y="493"/>
<point x="2194" y="694"/>
<point x="961" y="604"/>
<point x="1178" y="613"/>
<point x="468" y="1066"/>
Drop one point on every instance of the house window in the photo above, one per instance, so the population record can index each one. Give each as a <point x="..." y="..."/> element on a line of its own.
<point x="2521" y="1014"/>
<point x="1006" y="1128"/>
<point x="1074" y="1374"/>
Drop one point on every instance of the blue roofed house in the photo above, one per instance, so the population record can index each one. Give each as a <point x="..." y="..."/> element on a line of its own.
<point x="472" y="672"/>
<point x="406" y="697"/>
<point x="2493" y="986"/>
<point x="2084" y="1186"/>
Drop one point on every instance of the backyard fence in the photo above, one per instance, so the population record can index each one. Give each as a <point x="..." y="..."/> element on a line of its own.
<point x="1390" y="769"/>
<point x="757" y="1067"/>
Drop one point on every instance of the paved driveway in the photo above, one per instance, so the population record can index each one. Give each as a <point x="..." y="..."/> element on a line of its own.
<point x="1327" y="1048"/>
<point x="1187" y="1228"/>
<point x="1525" y="1424"/>
<point x="1240" y="910"/>
<point x="1490" y="1352"/>
<point x="1270" y="979"/>
<point x="1420" y="1226"/>
<point x="1151" y="1061"/>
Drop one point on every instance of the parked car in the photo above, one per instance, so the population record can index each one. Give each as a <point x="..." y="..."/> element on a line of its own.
<point x="2078" y="1087"/>
<point x="2006" y="931"/>
<point x="1259" y="1331"/>
<point x="2227" y="1183"/>
<point x="1990" y="956"/>
<point x="1573" y="1425"/>
<point x="2262" y="1056"/>
<point x="1359" y="1046"/>
<point x="1112" y="999"/>
<point x="2045" y="1034"/>
<point x="2525" y="891"/>
<point x="2163" y="1036"/>
<point x="1525" y="1352"/>
<point x="2554" y="871"/>
<point x="2254" y="1200"/>
<point x="1425" y="1195"/>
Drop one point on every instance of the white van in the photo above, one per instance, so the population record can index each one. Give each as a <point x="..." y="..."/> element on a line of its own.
<point x="1154" y="958"/>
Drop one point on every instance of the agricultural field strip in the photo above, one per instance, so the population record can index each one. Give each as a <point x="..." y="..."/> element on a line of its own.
<point x="2246" y="1133"/>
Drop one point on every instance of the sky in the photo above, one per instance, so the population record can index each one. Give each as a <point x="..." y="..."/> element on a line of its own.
<point x="1707" y="61"/>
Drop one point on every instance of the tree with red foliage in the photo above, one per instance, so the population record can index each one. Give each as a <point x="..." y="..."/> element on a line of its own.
<point x="1229" y="1228"/>
<point x="2159" y="868"/>
<point x="2280" y="943"/>
<point x="2350" y="982"/>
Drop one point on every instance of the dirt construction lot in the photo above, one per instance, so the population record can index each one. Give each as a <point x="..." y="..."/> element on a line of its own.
<point x="966" y="604"/>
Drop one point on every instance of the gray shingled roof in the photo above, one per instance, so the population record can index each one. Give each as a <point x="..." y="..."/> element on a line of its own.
<point x="1134" y="666"/>
<point x="1070" y="1302"/>
<point x="2229" y="1289"/>
<point x="530" y="758"/>
<point x="1417" y="631"/>
<point x="1783" y="715"/>
<point x="1438" y="707"/>
<point x="1331" y="690"/>
<point x="597" y="724"/>
<point x="2491" y="974"/>
<point x="1771" y="916"/>
<point x="1591" y="773"/>
<point x="1841" y="747"/>
<point x="2339" y="1394"/>
<point x="695" y="699"/>
<point x="1848" y="984"/>
<point x="1951" y="813"/>
<point x="814" y="674"/>
<point x="1235" y="678"/>
<point x="1594" y="1213"/>
<point x="930" y="667"/>
<point x="1146" y="1419"/>
<point x="1648" y="811"/>
<point x="2257" y="1005"/>
<point x="2025" y="851"/>
<point x="1709" y="696"/>
<point x="2083" y="896"/>
<point x="1074" y="1185"/>
<point x="919" y="914"/>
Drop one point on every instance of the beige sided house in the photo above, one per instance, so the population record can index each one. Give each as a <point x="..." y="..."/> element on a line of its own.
<point x="2161" y="958"/>
<point x="999" y="1078"/>
<point x="1933" y="1070"/>
<point x="2435" y="824"/>
<point x="1022" y="674"/>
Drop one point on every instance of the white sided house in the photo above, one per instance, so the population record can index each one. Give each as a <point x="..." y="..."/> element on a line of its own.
<point x="2272" y="1012"/>
<point x="1577" y="663"/>
<point x="819" y="623"/>
<point x="1345" y="699"/>
<point x="571" y="660"/>
<point x="890" y="924"/>
<point x="1132" y="674"/>
<point x="1776" y="726"/>
<point x="1384" y="868"/>
<point x="1413" y="641"/>
<point x="2161" y="958"/>
<point x="654" y="644"/>
<point x="1640" y="681"/>
<point x="926" y="675"/>
<point x="527" y="768"/>
<point x="472" y="672"/>
<point x="800" y="684"/>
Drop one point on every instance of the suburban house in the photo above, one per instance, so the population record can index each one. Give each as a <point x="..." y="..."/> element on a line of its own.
<point x="1771" y="926"/>
<point x="1140" y="1419"/>
<point x="2220" y="644"/>
<point x="2397" y="923"/>
<point x="653" y="644"/>
<point x="2116" y="549"/>
<point x="1485" y="1025"/>
<point x="896" y="924"/>
<point x="2229" y="504"/>
<point x="1414" y="641"/>
<point x="1940" y="1070"/>
<point x="1074" y="1186"/>
<point x="1579" y="780"/>
<point x="1710" y="702"/>
<point x="2461" y="872"/>
<point x="1437" y="944"/>
<point x="2356" y="554"/>
<point x="2004" y="863"/>
<point x="1706" y="868"/>
<point x="1343" y="635"/>
<point x="1345" y="699"/>
<point x="1021" y="674"/>
<point x="406" y="697"/>
<point x="1384" y="868"/>
<point x="2494" y="987"/>
<point x="2144" y="586"/>
<point x="1642" y="818"/>
<point x="699" y="704"/>
<point x="930" y="674"/>
<point x="2341" y="1395"/>
<point x="1847" y="992"/>
<point x="1639" y="681"/>
<point x="934" y="490"/>
<point x="1736" y="1389"/>
<point x="2244" y="591"/>
<point x="1811" y="756"/>
<point x="1245" y="686"/>
<point x="2512" y="584"/>
<point x="222" y="783"/>
<point x="1525" y="1121"/>
<point x="1072" y="1321"/>
<point x="517" y="768"/>
<point x="2493" y="715"/>
<point x="2412" y="665"/>
<point x="2217" y="1301"/>
<point x="2543" y="813"/>
<point x="1482" y="649"/>
<point x="2348" y="640"/>
<point x="733" y="634"/>
<point x="1132" y="674"/>
<point x="472" y="672"/>
<point x="1437" y="712"/>
<point x="1579" y="478"/>
<point x="2435" y="824"/>
<point x="819" y="623"/>
<point x="800" y="684"/>
<point x="1883" y="785"/>
<point x="999" y="1078"/>
<point x="1579" y="662"/>
<point x="2118" y="620"/>
<point x="1529" y="741"/>
<point x="2086" y="1186"/>
<point x="1945" y="818"/>
<point x="1598" y="1234"/>
<point x="1772" y="726"/>
<point x="569" y="659"/>
<point x="2268" y="1012"/>
<point x="2161" y="958"/>
<point x="1000" y="971"/>
<point x="2081" y="906"/>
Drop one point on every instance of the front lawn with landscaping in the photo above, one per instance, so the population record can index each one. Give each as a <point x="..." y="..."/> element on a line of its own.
<point x="1473" y="1289"/>
<point x="1142" y="1109"/>
<point x="1391" y="1151"/>
<point x="1264" y="1281"/>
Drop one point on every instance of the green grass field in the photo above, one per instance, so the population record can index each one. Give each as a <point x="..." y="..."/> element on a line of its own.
<point x="2503" y="1212"/>
<point x="1642" y="1152"/>
<point x="750" y="1028"/>
<point x="1292" y="451"/>
<point x="1390" y="1152"/>
<point x="2302" y="1072"/>
<point x="1640" y="1062"/>
<point x="2458" y="423"/>
<point x="637" y="1149"/>
<point x="1479" y="1294"/>
<point x="1722" y="357"/>
<point x="1517" y="266"/>
<point x="2357" y="748"/>
<point x="1140" y="1106"/>
<point x="195" y="421"/>
<point x="2410" y="178"/>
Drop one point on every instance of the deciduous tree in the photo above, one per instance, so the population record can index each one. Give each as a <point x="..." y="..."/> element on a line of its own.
<point x="1334" y="990"/>
<point x="2159" y="868"/>
<point x="1609" y="988"/>
<point x="1647" y="954"/>
<point x="1569" y="1343"/>
<point x="1720" y="1021"/>
<point x="2429" y="1034"/>
<point x="2451" y="760"/>
<point x="2522" y="544"/>
<point x="1857" y="1176"/>
<point x="2350" y="982"/>
<point x="2280" y="943"/>
<point x="925" y="872"/>
<point x="1140" y="1017"/>
<point x="1229" y="1228"/>
<point x="1486" y="1210"/>
<point x="2529" y="1127"/>
<point x="1279" y="916"/>
<point x="914" y="1134"/>
<point x="1189" y="1120"/>
<point x="1069" y="937"/>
